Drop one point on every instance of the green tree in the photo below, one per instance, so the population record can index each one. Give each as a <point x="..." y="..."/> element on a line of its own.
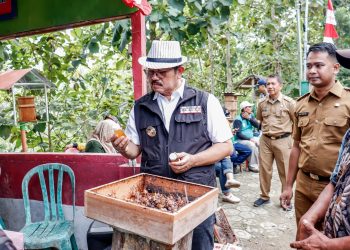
<point x="225" y="41"/>
<point x="92" y="72"/>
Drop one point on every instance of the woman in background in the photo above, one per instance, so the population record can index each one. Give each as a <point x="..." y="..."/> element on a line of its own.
<point x="100" y="139"/>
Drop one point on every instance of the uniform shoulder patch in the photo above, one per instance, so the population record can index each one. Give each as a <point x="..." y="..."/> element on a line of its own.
<point x="262" y="100"/>
<point x="287" y="98"/>
<point x="303" y="96"/>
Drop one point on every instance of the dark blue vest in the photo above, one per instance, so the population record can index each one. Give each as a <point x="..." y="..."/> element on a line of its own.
<point x="187" y="133"/>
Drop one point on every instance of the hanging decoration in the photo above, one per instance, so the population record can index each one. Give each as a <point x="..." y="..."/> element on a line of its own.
<point x="143" y="5"/>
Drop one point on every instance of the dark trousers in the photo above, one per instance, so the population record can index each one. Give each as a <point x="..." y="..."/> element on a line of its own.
<point x="203" y="235"/>
<point x="241" y="153"/>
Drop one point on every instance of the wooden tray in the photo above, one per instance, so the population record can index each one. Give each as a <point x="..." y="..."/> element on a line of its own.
<point x="152" y="223"/>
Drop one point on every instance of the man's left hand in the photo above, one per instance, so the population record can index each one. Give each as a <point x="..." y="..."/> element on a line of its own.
<point x="316" y="240"/>
<point x="185" y="162"/>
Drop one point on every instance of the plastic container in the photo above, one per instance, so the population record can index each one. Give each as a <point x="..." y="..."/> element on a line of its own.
<point x="119" y="133"/>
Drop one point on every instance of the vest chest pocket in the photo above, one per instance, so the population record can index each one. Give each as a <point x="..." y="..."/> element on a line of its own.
<point x="188" y="127"/>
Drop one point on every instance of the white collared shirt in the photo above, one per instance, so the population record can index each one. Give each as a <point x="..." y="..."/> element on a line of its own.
<point x="217" y="126"/>
<point x="166" y="106"/>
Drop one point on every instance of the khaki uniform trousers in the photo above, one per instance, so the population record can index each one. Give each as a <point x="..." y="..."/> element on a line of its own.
<point x="270" y="150"/>
<point x="307" y="191"/>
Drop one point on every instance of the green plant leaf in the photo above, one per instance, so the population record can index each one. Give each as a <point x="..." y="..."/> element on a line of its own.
<point x="39" y="127"/>
<point x="226" y="2"/>
<point x="177" y="4"/>
<point x="5" y="131"/>
<point x="94" y="46"/>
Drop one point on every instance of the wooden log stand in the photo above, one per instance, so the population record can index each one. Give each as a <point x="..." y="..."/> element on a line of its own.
<point x="127" y="240"/>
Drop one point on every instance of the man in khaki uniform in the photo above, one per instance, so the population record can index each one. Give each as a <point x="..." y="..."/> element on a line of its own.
<point x="321" y="120"/>
<point x="275" y="113"/>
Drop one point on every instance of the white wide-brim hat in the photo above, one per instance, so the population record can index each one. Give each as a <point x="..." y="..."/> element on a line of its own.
<point x="162" y="55"/>
<point x="245" y="104"/>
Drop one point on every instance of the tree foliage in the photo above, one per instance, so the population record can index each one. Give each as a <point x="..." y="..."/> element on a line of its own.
<point x="92" y="69"/>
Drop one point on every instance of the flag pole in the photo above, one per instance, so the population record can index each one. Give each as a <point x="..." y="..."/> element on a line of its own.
<point x="300" y="50"/>
<point x="306" y="29"/>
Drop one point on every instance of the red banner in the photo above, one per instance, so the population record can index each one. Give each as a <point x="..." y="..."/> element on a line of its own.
<point x="5" y="7"/>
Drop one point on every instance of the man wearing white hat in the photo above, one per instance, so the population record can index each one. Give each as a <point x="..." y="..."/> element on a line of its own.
<point x="177" y="118"/>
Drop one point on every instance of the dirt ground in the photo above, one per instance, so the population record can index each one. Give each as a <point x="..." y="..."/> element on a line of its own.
<point x="267" y="227"/>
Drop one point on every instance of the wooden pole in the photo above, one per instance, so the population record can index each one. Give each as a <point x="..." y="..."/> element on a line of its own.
<point x="138" y="45"/>
<point x="23" y="127"/>
<point x="126" y="240"/>
<point x="228" y="64"/>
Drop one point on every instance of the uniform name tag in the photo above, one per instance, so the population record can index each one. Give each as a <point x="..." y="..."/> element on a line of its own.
<point x="190" y="109"/>
<point x="303" y="113"/>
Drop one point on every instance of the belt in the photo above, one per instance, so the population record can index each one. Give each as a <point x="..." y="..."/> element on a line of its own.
<point x="278" y="137"/>
<point x="316" y="177"/>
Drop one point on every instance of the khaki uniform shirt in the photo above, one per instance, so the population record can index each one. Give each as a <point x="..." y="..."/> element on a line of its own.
<point x="276" y="116"/>
<point x="319" y="127"/>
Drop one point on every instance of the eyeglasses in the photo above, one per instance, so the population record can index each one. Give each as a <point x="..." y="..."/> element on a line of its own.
<point x="159" y="73"/>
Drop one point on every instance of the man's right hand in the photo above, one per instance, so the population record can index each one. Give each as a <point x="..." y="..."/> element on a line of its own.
<point x="120" y="144"/>
<point x="286" y="198"/>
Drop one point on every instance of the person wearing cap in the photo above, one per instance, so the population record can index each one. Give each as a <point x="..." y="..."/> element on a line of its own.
<point x="224" y="170"/>
<point x="244" y="125"/>
<point x="175" y="117"/>
<point x="332" y="204"/>
<point x="262" y="89"/>
<point x="240" y="152"/>
<point x="275" y="113"/>
<point x="321" y="119"/>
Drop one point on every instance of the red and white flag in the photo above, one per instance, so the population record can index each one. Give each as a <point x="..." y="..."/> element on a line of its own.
<point x="329" y="30"/>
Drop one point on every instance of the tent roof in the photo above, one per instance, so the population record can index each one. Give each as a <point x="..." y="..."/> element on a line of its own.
<point x="25" y="78"/>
